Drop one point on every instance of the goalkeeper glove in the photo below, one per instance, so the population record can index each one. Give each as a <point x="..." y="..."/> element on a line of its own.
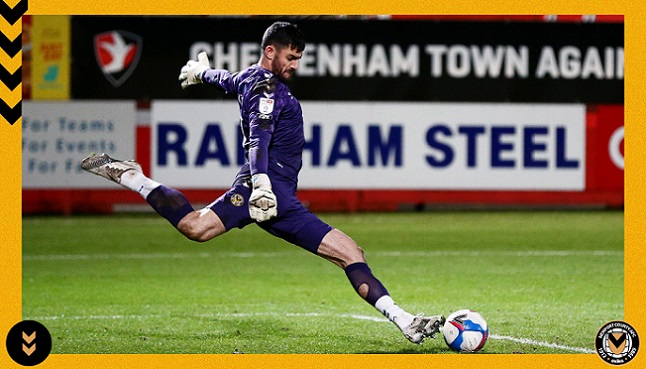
<point x="191" y="73"/>
<point x="262" y="203"/>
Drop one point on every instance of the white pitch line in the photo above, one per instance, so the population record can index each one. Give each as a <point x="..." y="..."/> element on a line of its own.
<point x="524" y="341"/>
<point x="430" y="254"/>
<point x="97" y="317"/>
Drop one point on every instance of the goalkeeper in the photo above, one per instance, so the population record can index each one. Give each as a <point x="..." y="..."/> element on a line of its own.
<point x="264" y="190"/>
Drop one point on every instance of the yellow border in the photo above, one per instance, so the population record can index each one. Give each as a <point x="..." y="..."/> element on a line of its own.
<point x="635" y="295"/>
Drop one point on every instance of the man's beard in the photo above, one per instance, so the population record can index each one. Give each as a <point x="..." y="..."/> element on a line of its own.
<point x="283" y="76"/>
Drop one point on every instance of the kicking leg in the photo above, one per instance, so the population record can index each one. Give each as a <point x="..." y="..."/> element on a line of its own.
<point x="201" y="225"/>
<point x="171" y="204"/>
<point x="344" y="252"/>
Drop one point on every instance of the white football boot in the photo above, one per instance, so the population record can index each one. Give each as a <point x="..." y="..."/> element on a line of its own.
<point x="422" y="327"/>
<point x="109" y="168"/>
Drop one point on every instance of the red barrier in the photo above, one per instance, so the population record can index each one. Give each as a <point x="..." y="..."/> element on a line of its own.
<point x="605" y="148"/>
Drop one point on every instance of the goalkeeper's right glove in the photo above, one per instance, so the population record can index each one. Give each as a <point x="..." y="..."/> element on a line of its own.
<point x="262" y="202"/>
<point x="191" y="73"/>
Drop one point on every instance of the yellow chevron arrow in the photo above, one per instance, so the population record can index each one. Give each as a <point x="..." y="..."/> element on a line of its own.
<point x="29" y="350"/>
<point x="5" y="122"/>
<point x="11" y="64"/>
<point x="10" y="97"/>
<point x="29" y="339"/>
<point x="11" y="3"/>
<point x="9" y="30"/>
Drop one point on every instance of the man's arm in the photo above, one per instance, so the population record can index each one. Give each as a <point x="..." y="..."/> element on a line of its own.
<point x="197" y="72"/>
<point x="191" y="73"/>
<point x="262" y="203"/>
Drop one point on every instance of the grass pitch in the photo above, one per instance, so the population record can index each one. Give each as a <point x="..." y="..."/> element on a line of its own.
<point x="545" y="282"/>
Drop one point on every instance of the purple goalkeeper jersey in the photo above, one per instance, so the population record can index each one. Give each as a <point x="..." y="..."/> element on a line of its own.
<point x="271" y="121"/>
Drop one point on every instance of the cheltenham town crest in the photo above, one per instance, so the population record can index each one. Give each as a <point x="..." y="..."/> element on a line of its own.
<point x="117" y="54"/>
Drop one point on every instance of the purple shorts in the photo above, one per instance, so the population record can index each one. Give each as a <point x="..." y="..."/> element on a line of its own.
<point x="294" y="223"/>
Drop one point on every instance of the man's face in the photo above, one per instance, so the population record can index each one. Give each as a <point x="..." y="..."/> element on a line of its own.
<point x="285" y="63"/>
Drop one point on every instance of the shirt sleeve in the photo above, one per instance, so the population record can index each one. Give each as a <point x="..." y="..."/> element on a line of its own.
<point x="264" y="114"/>
<point x="221" y="78"/>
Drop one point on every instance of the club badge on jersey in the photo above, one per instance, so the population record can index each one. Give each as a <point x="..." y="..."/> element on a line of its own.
<point x="266" y="105"/>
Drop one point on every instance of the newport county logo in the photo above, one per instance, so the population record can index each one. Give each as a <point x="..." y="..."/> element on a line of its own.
<point x="617" y="342"/>
<point x="237" y="199"/>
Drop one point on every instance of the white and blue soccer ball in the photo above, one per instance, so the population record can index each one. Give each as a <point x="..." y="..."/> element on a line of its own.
<point x="465" y="331"/>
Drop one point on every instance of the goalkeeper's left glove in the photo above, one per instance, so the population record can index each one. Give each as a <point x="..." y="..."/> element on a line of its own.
<point x="191" y="73"/>
<point x="262" y="202"/>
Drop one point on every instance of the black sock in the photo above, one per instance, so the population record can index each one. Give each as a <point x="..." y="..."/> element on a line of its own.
<point x="360" y="274"/>
<point x="169" y="203"/>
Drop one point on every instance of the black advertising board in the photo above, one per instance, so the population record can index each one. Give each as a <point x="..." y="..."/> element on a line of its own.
<point x="115" y="57"/>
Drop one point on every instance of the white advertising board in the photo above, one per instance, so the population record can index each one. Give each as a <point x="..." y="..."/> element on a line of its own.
<point x="56" y="136"/>
<point x="375" y="145"/>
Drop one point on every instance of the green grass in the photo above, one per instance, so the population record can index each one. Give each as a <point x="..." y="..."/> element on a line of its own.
<point x="133" y="284"/>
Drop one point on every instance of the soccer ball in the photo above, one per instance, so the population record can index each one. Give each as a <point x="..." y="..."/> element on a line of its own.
<point x="465" y="331"/>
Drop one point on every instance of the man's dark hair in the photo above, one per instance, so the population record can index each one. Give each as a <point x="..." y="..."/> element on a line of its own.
<point x="283" y="34"/>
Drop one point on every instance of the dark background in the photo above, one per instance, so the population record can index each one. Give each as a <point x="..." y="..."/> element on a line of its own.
<point x="166" y="42"/>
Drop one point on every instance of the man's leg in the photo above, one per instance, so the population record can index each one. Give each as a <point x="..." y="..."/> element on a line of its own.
<point x="341" y="250"/>
<point x="171" y="204"/>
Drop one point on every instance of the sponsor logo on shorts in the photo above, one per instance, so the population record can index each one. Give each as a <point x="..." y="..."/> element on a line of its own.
<point x="617" y="343"/>
<point x="237" y="199"/>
